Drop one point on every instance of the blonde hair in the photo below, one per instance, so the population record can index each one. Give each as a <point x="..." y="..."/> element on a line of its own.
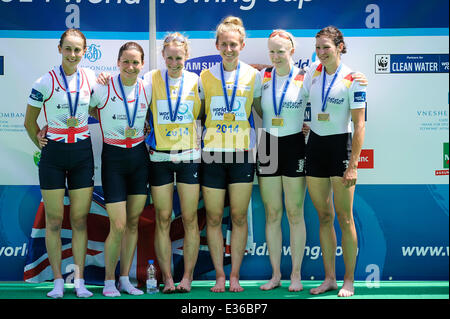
<point x="231" y="23"/>
<point x="284" y="35"/>
<point x="176" y="39"/>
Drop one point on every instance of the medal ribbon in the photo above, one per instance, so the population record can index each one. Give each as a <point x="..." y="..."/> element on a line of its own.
<point x="125" y="102"/>
<point x="72" y="108"/>
<point x="173" y="115"/>
<point x="324" y="98"/>
<point x="229" y="106"/>
<point x="276" y="109"/>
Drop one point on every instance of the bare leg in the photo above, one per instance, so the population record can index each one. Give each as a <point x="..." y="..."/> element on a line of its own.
<point x="135" y="206"/>
<point x="162" y="198"/>
<point x="214" y="203"/>
<point x="294" y="190"/>
<point x="117" y="225"/>
<point x="80" y="204"/>
<point x="343" y="202"/>
<point x="189" y="195"/>
<point x="54" y="214"/>
<point x="320" y="192"/>
<point x="240" y="194"/>
<point x="271" y="194"/>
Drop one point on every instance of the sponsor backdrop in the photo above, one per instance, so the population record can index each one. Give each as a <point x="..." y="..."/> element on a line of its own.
<point x="401" y="203"/>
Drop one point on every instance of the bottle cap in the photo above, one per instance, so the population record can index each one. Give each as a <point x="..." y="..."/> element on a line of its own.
<point x="150" y="261"/>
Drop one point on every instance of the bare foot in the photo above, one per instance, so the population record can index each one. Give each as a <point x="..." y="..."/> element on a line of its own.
<point x="271" y="284"/>
<point x="169" y="286"/>
<point x="327" y="285"/>
<point x="219" y="286"/>
<point x="184" y="285"/>
<point x="347" y="289"/>
<point x="296" y="285"/>
<point x="234" y="285"/>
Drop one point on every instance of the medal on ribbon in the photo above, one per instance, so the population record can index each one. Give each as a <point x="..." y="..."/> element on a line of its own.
<point x="326" y="116"/>
<point x="72" y="121"/>
<point x="173" y="114"/>
<point x="229" y="115"/>
<point x="279" y="121"/>
<point x="130" y="132"/>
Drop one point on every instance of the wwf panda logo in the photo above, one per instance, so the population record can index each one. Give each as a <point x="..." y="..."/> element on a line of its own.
<point x="383" y="62"/>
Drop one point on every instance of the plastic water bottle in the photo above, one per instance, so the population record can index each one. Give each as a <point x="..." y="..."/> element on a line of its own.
<point x="152" y="284"/>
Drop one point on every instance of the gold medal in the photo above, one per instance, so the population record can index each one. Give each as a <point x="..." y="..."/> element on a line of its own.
<point x="72" y="122"/>
<point x="277" y="121"/>
<point x="130" y="132"/>
<point x="228" y="116"/>
<point x="323" y="117"/>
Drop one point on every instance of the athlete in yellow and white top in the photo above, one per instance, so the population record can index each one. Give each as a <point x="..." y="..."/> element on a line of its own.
<point x="175" y="120"/>
<point x="227" y="163"/>
<point x="229" y="128"/>
<point x="175" y="153"/>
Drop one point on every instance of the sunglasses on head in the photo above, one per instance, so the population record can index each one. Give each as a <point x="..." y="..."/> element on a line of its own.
<point x="177" y="38"/>
<point x="281" y="34"/>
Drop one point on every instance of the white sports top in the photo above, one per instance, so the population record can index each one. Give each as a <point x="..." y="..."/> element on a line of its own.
<point x="49" y="93"/>
<point x="345" y="95"/>
<point x="293" y="108"/>
<point x="112" y="114"/>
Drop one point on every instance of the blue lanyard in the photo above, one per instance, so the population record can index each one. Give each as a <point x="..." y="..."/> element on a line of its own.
<point x="229" y="106"/>
<point x="276" y="109"/>
<point x="173" y="115"/>
<point x="125" y="102"/>
<point x="72" y="108"/>
<point x="324" y="98"/>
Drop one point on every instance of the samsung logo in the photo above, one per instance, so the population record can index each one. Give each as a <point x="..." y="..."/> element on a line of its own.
<point x="196" y="65"/>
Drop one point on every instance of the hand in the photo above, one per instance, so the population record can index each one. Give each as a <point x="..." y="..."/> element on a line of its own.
<point x="350" y="176"/>
<point x="147" y="128"/>
<point x="360" y="78"/>
<point x="103" y="78"/>
<point x="305" y="129"/>
<point x="41" y="137"/>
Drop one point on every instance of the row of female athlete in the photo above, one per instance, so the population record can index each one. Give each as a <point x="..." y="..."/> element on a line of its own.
<point x="177" y="104"/>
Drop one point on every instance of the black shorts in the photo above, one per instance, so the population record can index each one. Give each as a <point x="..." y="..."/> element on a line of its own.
<point x="328" y="156"/>
<point x="74" y="161"/>
<point x="219" y="169"/>
<point x="163" y="173"/>
<point x="281" y="156"/>
<point x="125" y="171"/>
